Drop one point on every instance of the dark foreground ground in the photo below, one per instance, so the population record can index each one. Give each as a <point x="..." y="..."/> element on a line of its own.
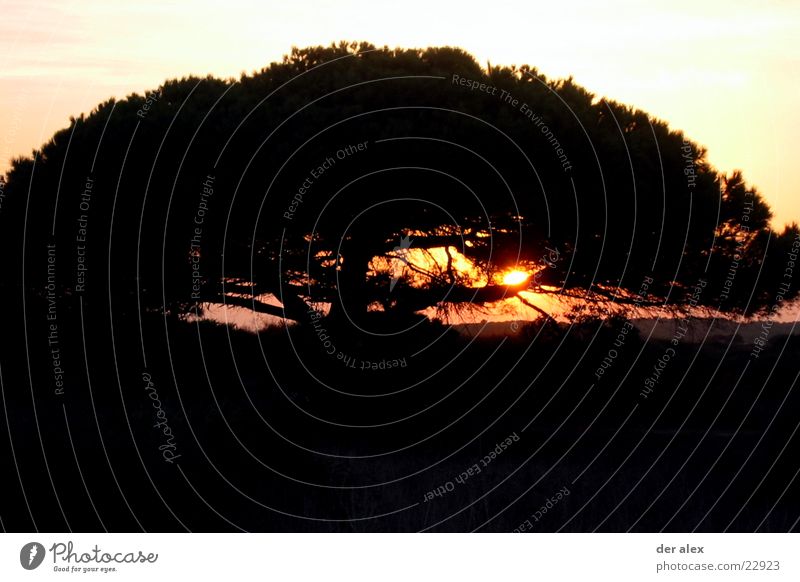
<point x="178" y="426"/>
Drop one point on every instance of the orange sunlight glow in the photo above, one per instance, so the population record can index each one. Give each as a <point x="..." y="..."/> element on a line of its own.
<point x="515" y="278"/>
<point x="419" y="265"/>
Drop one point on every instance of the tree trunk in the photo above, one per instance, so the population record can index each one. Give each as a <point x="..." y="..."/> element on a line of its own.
<point x="353" y="293"/>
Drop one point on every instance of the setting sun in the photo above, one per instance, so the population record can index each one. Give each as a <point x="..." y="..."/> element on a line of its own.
<point x="515" y="277"/>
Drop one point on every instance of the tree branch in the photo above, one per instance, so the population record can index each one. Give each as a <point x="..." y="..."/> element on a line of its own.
<point x="536" y="308"/>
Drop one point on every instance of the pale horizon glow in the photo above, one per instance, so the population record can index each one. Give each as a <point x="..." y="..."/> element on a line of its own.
<point x="727" y="74"/>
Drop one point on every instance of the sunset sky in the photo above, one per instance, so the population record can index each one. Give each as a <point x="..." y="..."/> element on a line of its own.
<point x="728" y="73"/>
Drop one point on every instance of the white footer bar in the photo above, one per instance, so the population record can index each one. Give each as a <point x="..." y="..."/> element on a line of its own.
<point x="399" y="557"/>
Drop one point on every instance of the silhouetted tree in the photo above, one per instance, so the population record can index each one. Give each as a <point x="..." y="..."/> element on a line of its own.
<point x="500" y="173"/>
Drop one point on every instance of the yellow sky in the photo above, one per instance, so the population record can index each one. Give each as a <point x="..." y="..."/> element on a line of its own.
<point x="728" y="73"/>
